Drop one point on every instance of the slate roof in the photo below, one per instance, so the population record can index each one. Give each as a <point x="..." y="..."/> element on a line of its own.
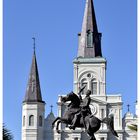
<point x="33" y="91"/>
<point x="89" y="24"/>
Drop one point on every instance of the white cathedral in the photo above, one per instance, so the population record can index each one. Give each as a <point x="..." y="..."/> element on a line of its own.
<point x="89" y="70"/>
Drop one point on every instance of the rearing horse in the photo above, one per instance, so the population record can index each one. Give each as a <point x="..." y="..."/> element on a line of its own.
<point x="92" y="123"/>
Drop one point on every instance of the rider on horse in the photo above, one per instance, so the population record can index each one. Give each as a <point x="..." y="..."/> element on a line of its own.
<point x="78" y="114"/>
<point x="84" y="110"/>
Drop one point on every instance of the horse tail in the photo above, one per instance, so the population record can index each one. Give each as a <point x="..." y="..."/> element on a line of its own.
<point x="110" y="124"/>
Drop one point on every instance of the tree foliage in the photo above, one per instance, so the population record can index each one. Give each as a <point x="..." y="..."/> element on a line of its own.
<point x="133" y="127"/>
<point x="7" y="135"/>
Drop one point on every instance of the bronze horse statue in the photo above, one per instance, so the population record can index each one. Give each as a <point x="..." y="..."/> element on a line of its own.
<point x="92" y="123"/>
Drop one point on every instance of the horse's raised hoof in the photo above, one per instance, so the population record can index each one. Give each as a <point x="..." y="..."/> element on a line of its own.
<point x="58" y="131"/>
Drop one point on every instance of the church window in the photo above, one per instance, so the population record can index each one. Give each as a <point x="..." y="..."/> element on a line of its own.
<point x="40" y="120"/>
<point x="84" y="83"/>
<point x="94" y="87"/>
<point x="89" y="39"/>
<point x="23" y="120"/>
<point x="31" y="120"/>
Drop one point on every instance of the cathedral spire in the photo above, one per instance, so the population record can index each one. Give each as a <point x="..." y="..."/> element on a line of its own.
<point x="33" y="91"/>
<point x="89" y="39"/>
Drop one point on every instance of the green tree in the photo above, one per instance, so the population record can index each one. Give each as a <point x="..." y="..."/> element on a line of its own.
<point x="133" y="127"/>
<point x="7" y="135"/>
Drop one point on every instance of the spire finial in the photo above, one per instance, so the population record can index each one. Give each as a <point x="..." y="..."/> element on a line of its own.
<point x="51" y="108"/>
<point x="33" y="43"/>
<point x="128" y="107"/>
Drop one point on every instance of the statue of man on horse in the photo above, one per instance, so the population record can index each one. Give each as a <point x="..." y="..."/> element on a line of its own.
<point x="84" y="109"/>
<point x="78" y="114"/>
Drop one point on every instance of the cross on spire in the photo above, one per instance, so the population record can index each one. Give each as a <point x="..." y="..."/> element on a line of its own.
<point x="128" y="107"/>
<point x="51" y="108"/>
<point x="33" y="43"/>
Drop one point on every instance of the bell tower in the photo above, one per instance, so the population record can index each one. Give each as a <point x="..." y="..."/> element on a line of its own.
<point x="33" y="107"/>
<point x="90" y="66"/>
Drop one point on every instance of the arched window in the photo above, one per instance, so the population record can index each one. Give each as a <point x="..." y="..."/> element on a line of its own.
<point x="84" y="83"/>
<point x="40" y="120"/>
<point x="23" y="120"/>
<point x="94" y="86"/>
<point x="76" y="138"/>
<point x="31" y="120"/>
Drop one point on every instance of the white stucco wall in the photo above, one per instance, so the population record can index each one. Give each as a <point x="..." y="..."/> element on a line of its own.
<point x="34" y="132"/>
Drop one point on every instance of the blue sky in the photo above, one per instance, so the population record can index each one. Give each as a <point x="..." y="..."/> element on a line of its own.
<point x="55" y="24"/>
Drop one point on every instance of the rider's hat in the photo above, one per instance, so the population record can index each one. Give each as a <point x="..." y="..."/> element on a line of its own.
<point x="88" y="92"/>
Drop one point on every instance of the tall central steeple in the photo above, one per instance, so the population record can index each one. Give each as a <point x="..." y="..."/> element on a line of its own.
<point x="89" y="39"/>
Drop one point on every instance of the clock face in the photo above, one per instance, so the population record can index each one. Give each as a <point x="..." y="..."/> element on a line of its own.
<point x="93" y="109"/>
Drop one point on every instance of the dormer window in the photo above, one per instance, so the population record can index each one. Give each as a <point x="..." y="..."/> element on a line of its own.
<point x="89" y="39"/>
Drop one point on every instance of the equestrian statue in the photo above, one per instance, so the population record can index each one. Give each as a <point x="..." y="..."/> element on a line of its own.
<point x="78" y="114"/>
